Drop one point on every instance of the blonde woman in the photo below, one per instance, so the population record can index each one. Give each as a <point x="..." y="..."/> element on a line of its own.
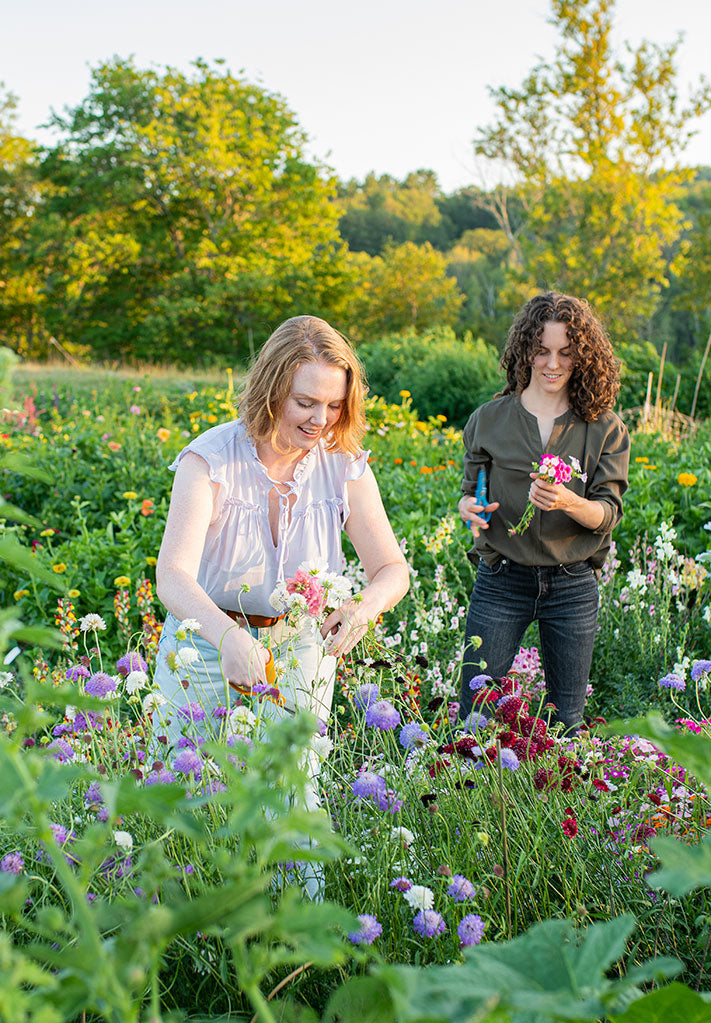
<point x="255" y="497"/>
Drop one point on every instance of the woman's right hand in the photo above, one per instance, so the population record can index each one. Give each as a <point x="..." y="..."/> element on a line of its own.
<point x="243" y="658"/>
<point x="469" y="509"/>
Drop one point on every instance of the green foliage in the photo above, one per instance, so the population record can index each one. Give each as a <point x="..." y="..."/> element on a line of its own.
<point x="408" y="286"/>
<point x="181" y="213"/>
<point x="552" y="972"/>
<point x="585" y="136"/>
<point x="445" y="376"/>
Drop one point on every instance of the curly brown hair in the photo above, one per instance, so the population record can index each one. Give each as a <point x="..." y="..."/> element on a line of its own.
<point x="595" y="380"/>
<point x="299" y="340"/>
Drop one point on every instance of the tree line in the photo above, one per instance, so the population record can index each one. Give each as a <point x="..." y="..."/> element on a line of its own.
<point x="178" y="219"/>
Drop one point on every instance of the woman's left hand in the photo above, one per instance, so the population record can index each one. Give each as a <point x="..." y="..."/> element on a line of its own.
<point x="344" y="627"/>
<point x="551" y="496"/>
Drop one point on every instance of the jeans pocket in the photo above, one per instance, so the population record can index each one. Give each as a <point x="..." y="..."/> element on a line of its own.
<point x="498" y="568"/>
<point x="577" y="569"/>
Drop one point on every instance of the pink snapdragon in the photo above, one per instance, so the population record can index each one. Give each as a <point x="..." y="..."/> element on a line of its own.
<point x="309" y="588"/>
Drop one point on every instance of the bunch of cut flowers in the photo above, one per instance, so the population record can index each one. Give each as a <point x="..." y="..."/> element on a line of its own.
<point x="555" y="470"/>
<point x="310" y="595"/>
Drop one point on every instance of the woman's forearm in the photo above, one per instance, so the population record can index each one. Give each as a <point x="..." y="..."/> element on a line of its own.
<point x="586" y="513"/>
<point x="385" y="589"/>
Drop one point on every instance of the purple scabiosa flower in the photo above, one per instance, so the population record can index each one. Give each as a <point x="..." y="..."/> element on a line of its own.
<point x="102" y="814"/>
<point x="461" y="889"/>
<point x="220" y="712"/>
<point x="75" y="672"/>
<point x="321" y="727"/>
<point x="471" y="929"/>
<point x="191" y="712"/>
<point x="368" y="784"/>
<point x="61" y="835"/>
<point x="699" y="668"/>
<point x="131" y="662"/>
<point x="188" y="762"/>
<point x="388" y="800"/>
<point x="672" y="681"/>
<point x="93" y="794"/>
<point x="509" y="759"/>
<point x="478" y="682"/>
<point x="163" y="777"/>
<point x="474" y="721"/>
<point x="370" y="929"/>
<point x="429" y="923"/>
<point x="13" y="863"/>
<point x="100" y="685"/>
<point x="61" y="750"/>
<point x="412" y="734"/>
<point x="365" y="695"/>
<point x="403" y="884"/>
<point x="382" y="715"/>
<point x="186" y="742"/>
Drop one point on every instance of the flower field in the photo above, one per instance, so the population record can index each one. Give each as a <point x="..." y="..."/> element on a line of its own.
<point x="468" y="868"/>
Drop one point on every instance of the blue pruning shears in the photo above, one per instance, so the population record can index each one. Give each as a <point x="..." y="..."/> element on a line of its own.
<point x="480" y="496"/>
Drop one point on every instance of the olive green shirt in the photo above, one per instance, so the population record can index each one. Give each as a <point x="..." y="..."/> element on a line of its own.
<point x="503" y="437"/>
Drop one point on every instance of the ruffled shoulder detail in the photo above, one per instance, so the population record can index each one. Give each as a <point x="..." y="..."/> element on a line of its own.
<point x="217" y="447"/>
<point x="356" y="466"/>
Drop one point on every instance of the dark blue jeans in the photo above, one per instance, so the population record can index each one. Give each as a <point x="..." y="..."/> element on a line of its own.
<point x="563" y="599"/>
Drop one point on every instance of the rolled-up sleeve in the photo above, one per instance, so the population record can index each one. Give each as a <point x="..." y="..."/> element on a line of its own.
<point x="474" y="456"/>
<point x="609" y="479"/>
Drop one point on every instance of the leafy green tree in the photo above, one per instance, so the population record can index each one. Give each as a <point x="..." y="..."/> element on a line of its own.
<point x="588" y="137"/>
<point x="407" y="286"/>
<point x="182" y="215"/>
<point x="20" y="295"/>
<point x="479" y="261"/>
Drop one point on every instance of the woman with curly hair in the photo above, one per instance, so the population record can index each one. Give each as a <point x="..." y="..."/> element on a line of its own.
<point x="562" y="379"/>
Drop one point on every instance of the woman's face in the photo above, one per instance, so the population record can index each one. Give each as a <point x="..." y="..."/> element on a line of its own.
<point x="553" y="361"/>
<point x="314" y="404"/>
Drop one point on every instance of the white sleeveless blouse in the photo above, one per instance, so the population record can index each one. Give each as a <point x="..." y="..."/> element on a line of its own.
<point x="239" y="548"/>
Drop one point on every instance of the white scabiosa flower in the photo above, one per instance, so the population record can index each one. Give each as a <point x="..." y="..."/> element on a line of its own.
<point x="314" y="566"/>
<point x="182" y="658"/>
<point x="419" y="897"/>
<point x="242" y="719"/>
<point x="92" y="623"/>
<point x="6" y="678"/>
<point x="124" y="840"/>
<point x="402" y="835"/>
<point x="152" y="702"/>
<point x="190" y="625"/>
<point x="278" y="597"/>
<point x="322" y="746"/>
<point x="136" y="680"/>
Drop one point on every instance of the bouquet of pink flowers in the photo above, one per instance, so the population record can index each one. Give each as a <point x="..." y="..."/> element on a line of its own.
<point x="555" y="470"/>
<point x="311" y="594"/>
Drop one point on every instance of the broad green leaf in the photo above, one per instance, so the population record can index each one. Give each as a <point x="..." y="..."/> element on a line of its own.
<point x="683" y="867"/>
<point x="13" y="461"/>
<point x="553" y="971"/>
<point x="11" y="511"/>
<point x="686" y="748"/>
<point x="360" y="1000"/>
<point x="674" y="1003"/>
<point x="23" y="560"/>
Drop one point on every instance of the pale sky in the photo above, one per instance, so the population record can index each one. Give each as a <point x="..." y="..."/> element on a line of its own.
<point x="382" y="85"/>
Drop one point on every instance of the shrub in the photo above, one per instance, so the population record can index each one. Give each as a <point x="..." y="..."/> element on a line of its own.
<point x="443" y="374"/>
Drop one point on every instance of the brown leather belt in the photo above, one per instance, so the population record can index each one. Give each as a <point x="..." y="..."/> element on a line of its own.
<point x="256" y="621"/>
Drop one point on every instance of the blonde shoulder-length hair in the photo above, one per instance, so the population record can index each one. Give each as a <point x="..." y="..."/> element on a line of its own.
<point x="299" y="340"/>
